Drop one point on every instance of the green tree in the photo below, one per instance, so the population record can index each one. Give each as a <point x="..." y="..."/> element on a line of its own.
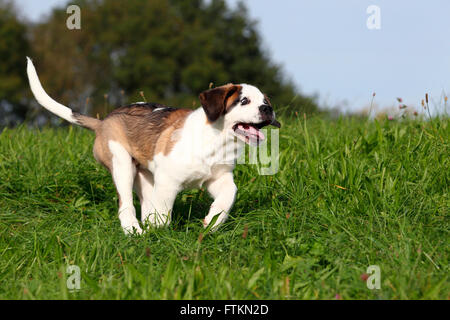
<point x="169" y="49"/>
<point x="13" y="49"/>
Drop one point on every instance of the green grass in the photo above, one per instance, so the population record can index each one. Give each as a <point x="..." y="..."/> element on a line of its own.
<point x="349" y="194"/>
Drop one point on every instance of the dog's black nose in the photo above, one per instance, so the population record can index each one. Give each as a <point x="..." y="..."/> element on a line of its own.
<point x="266" y="109"/>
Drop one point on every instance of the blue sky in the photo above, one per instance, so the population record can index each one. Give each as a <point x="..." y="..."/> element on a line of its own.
<point x="326" y="48"/>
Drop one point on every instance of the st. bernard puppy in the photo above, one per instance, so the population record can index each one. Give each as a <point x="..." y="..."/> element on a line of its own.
<point x="160" y="150"/>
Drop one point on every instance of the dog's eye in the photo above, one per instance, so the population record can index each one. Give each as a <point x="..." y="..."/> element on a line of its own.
<point x="245" y="101"/>
<point x="265" y="101"/>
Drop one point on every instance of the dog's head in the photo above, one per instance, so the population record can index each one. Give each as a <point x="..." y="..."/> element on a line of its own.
<point x="244" y="108"/>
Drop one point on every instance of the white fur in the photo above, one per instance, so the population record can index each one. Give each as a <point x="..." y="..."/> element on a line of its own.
<point x="249" y="113"/>
<point x="144" y="187"/>
<point x="123" y="172"/>
<point x="223" y="190"/>
<point x="43" y="98"/>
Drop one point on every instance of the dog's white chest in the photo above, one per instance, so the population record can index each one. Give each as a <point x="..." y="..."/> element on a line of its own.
<point x="202" y="153"/>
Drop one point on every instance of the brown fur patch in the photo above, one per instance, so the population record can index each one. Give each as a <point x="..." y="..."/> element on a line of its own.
<point x="87" y="122"/>
<point x="233" y="99"/>
<point x="141" y="130"/>
<point x="217" y="101"/>
<point x="268" y="100"/>
<point x="168" y="137"/>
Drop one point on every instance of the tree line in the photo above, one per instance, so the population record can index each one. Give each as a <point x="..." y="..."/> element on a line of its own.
<point x="164" y="51"/>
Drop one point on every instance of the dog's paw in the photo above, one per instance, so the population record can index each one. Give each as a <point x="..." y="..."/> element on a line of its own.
<point x="218" y="220"/>
<point x="130" y="224"/>
<point x="134" y="229"/>
<point x="156" y="221"/>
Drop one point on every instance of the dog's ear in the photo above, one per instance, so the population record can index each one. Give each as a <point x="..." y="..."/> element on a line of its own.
<point x="216" y="101"/>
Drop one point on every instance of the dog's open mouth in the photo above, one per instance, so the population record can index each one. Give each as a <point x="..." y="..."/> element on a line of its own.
<point x="251" y="133"/>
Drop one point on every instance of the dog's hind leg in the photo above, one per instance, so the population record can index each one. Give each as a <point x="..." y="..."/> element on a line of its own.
<point x="123" y="171"/>
<point x="143" y="184"/>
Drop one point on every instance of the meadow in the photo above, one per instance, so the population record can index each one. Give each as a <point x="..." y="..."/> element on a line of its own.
<point x="350" y="193"/>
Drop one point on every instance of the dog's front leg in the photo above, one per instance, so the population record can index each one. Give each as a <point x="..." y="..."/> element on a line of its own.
<point x="223" y="190"/>
<point x="161" y="201"/>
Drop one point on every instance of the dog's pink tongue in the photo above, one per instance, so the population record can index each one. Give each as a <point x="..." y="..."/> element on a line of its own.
<point x="251" y="131"/>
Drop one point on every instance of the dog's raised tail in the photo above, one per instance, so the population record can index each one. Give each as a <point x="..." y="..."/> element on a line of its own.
<point x="51" y="105"/>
